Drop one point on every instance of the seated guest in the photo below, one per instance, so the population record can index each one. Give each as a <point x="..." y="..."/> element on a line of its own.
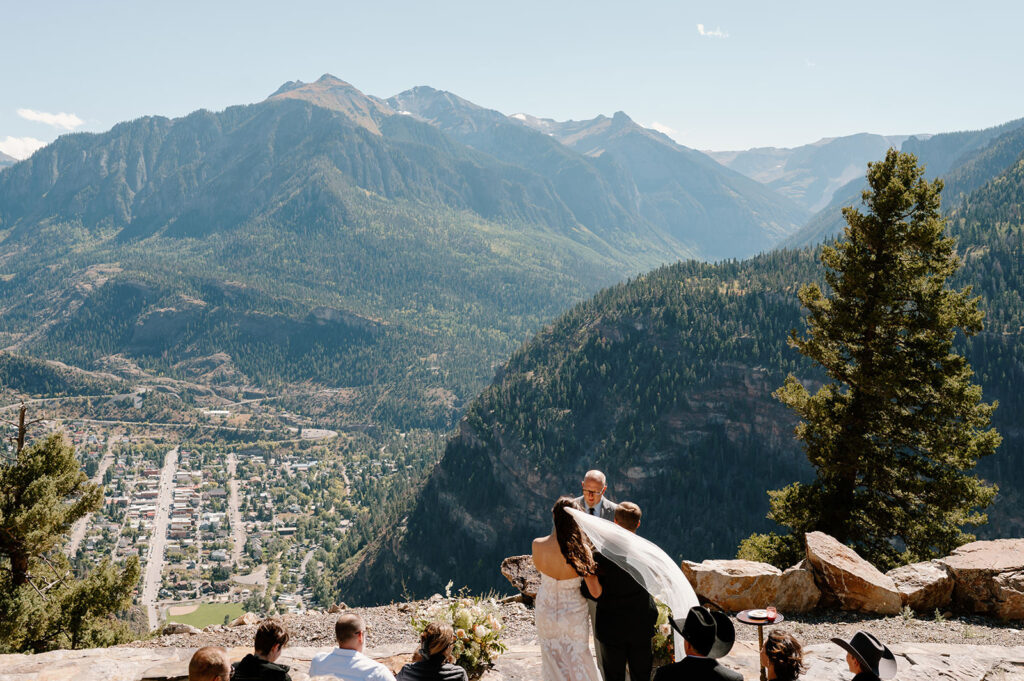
<point x="782" y="657"/>
<point x="271" y="638"/>
<point x="209" y="664"/>
<point x="867" y="657"/>
<point x="434" y="661"/>
<point x="347" y="660"/>
<point x="707" y="636"/>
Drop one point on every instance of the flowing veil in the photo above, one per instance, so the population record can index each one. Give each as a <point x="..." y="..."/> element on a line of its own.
<point x="645" y="562"/>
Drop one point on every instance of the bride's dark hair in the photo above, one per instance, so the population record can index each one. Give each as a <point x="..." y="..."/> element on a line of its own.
<point x="575" y="547"/>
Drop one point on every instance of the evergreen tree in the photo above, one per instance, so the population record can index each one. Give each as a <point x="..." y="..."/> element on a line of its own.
<point x="42" y="603"/>
<point x="896" y="430"/>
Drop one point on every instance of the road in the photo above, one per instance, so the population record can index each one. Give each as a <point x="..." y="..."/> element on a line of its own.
<point x="234" y="516"/>
<point x="82" y="524"/>
<point x="155" y="559"/>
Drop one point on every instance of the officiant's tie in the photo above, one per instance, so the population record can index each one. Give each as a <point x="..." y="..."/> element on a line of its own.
<point x="593" y="511"/>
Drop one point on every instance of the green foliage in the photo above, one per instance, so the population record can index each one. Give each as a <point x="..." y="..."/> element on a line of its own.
<point x="894" y="433"/>
<point x="778" y="550"/>
<point x="42" y="603"/>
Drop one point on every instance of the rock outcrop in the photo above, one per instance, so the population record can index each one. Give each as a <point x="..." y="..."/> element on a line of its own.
<point x="735" y="584"/>
<point x="923" y="586"/>
<point x="989" y="577"/>
<point x="798" y="591"/>
<point x="854" y="583"/>
<point x="521" y="573"/>
<point x="245" y="620"/>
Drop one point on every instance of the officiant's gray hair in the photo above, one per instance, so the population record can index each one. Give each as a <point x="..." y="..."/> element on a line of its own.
<point x="596" y="476"/>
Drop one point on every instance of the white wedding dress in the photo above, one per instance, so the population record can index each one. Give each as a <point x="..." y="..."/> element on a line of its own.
<point x="563" y="630"/>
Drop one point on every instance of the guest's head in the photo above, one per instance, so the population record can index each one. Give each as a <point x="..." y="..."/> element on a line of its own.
<point x="865" y="653"/>
<point x="575" y="548"/>
<point x="782" y="656"/>
<point x="594" y="486"/>
<point x="350" y="632"/>
<point x="209" y="664"/>
<point x="706" y="633"/>
<point x="627" y="516"/>
<point x="437" y="639"/>
<point x="271" y="638"/>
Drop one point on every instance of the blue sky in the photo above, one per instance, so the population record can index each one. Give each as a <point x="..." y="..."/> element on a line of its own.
<point x="714" y="75"/>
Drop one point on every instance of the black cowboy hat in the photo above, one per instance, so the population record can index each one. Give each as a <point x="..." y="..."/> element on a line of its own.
<point x="871" y="653"/>
<point x="710" y="633"/>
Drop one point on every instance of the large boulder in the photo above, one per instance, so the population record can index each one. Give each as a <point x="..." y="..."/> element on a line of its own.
<point x="179" y="628"/>
<point x="521" y="573"/>
<point x="734" y="584"/>
<point x="247" y="619"/>
<point x="989" y="577"/>
<point x="923" y="586"/>
<point x="852" y="582"/>
<point x="797" y="590"/>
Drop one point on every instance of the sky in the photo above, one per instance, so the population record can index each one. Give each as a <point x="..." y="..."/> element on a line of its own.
<point x="713" y="75"/>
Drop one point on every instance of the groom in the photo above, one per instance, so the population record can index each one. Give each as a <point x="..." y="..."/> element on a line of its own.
<point x="626" y="613"/>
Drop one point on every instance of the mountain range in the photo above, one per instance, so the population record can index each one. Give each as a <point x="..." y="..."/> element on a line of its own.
<point x="541" y="286"/>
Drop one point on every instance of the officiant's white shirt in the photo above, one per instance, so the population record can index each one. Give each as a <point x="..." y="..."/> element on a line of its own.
<point x="349" y="665"/>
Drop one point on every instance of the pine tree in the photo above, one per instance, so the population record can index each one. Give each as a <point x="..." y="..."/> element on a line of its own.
<point x="42" y="603"/>
<point x="896" y="430"/>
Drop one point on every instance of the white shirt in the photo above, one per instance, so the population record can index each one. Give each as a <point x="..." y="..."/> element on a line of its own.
<point x="350" y="665"/>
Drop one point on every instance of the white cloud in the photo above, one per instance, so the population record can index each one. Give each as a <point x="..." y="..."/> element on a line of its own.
<point x="716" y="33"/>
<point x="664" y="129"/>
<point x="20" y="147"/>
<point x="65" y="121"/>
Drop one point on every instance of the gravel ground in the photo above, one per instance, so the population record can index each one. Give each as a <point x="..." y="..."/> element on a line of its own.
<point x="389" y="625"/>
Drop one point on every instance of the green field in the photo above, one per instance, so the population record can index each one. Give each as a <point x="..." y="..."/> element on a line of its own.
<point x="209" y="613"/>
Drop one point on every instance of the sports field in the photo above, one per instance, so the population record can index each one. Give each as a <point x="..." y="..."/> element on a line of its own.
<point x="207" y="614"/>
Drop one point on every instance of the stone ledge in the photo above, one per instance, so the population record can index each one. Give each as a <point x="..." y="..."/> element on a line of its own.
<point x="826" y="662"/>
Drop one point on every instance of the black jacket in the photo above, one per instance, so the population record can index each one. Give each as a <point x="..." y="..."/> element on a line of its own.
<point x="252" y="668"/>
<point x="624" y="609"/>
<point x="433" y="669"/>
<point x="696" y="669"/>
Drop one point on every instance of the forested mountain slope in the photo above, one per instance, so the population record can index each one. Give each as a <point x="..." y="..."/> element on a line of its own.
<point x="333" y="242"/>
<point x="665" y="383"/>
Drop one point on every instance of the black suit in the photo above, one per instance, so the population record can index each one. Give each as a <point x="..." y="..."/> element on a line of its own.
<point x="696" y="669"/>
<point x="625" y="620"/>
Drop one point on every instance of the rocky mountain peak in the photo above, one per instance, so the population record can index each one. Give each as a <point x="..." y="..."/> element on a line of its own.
<point x="330" y="92"/>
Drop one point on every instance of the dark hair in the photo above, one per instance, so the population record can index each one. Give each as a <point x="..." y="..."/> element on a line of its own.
<point x="209" y="663"/>
<point x="438" y="637"/>
<point x="785" y="654"/>
<point x="628" y="515"/>
<point x="575" y="548"/>
<point x="347" y="626"/>
<point x="270" y="633"/>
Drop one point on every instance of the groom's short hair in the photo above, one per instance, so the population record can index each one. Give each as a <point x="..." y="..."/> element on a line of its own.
<point x="628" y="515"/>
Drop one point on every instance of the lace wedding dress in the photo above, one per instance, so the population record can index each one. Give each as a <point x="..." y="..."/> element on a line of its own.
<point x="563" y="629"/>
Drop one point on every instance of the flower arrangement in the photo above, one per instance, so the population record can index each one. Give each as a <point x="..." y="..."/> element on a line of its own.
<point x="477" y="624"/>
<point x="662" y="644"/>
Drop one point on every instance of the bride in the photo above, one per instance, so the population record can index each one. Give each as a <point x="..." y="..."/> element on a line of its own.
<point x="563" y="558"/>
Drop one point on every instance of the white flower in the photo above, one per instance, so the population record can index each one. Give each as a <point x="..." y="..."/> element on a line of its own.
<point x="665" y="629"/>
<point x="480" y="631"/>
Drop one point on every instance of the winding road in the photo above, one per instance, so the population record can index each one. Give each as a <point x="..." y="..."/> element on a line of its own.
<point x="158" y="539"/>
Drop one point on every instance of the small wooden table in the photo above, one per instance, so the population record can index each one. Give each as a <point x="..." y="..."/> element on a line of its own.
<point x="761" y="623"/>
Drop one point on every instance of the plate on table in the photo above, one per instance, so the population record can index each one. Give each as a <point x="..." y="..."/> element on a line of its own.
<point x="757" y="614"/>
